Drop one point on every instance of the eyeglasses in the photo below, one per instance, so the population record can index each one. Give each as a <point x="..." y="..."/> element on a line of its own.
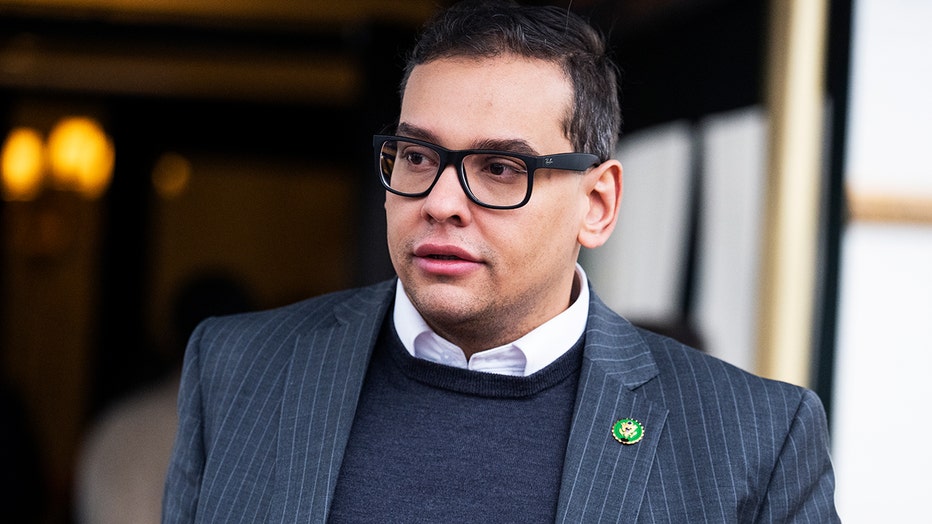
<point x="492" y="179"/>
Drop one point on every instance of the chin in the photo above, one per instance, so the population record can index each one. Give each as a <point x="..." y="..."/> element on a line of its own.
<point x="444" y="302"/>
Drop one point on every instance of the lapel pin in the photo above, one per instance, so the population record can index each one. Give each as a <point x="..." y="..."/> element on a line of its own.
<point x="628" y="431"/>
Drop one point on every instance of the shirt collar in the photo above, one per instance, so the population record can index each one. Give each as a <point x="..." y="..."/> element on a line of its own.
<point x="525" y="356"/>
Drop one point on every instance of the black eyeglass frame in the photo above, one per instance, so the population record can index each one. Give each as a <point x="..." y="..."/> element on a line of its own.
<point x="564" y="161"/>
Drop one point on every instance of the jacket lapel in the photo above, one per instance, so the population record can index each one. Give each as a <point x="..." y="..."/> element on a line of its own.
<point x="321" y="392"/>
<point x="601" y="476"/>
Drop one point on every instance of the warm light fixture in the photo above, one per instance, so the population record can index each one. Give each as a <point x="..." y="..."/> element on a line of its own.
<point x="22" y="164"/>
<point x="78" y="156"/>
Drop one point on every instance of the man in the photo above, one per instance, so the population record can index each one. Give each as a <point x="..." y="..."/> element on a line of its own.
<point x="488" y="383"/>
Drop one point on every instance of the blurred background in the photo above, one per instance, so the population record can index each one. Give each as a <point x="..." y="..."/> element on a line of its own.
<point x="167" y="160"/>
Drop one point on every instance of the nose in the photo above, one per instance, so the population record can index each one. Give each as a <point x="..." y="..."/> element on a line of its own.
<point x="447" y="201"/>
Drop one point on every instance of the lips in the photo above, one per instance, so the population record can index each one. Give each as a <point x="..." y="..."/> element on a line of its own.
<point x="445" y="260"/>
<point x="444" y="252"/>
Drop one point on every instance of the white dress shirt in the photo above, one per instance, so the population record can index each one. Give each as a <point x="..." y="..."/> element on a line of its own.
<point x="525" y="356"/>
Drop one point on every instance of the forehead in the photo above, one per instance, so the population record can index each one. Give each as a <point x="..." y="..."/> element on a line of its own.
<point x="463" y="100"/>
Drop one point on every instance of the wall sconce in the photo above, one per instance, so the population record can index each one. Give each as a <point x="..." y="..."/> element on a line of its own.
<point x="46" y="181"/>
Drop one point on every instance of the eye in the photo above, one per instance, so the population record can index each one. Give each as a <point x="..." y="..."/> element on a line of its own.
<point x="414" y="158"/>
<point x="498" y="169"/>
<point x="503" y="167"/>
<point x="417" y="157"/>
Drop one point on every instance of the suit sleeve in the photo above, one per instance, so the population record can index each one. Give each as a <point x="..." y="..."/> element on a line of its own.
<point x="802" y="485"/>
<point x="185" y="470"/>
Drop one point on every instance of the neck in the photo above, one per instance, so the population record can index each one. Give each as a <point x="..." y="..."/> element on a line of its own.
<point x="488" y="331"/>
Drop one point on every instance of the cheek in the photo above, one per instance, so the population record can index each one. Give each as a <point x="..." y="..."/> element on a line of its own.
<point x="399" y="211"/>
<point x="396" y="223"/>
<point x="557" y="215"/>
<point x="527" y="242"/>
<point x="551" y="236"/>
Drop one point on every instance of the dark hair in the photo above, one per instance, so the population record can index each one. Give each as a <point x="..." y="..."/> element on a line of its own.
<point x="487" y="29"/>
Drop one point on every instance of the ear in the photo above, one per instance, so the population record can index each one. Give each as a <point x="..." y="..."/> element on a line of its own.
<point x="604" y="190"/>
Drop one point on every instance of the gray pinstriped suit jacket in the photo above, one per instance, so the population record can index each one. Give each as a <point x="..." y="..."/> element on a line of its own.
<point x="267" y="403"/>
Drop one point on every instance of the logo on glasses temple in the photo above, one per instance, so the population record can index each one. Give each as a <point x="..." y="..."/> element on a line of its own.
<point x="548" y="161"/>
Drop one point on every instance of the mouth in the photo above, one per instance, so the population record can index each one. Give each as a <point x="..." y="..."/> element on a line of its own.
<point x="443" y="252"/>
<point x="445" y="260"/>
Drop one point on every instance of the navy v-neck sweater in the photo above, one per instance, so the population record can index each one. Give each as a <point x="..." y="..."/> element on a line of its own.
<point x="433" y="443"/>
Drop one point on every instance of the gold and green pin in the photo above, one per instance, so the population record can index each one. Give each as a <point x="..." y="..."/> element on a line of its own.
<point x="628" y="431"/>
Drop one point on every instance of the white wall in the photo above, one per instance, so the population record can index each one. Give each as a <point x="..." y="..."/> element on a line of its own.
<point x="734" y="158"/>
<point x="883" y="391"/>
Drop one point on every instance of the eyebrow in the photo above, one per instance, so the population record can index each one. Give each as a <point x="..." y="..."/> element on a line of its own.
<point x="509" y="145"/>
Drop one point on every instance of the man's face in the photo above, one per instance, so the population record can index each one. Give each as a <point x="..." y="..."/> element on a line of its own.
<point x="482" y="277"/>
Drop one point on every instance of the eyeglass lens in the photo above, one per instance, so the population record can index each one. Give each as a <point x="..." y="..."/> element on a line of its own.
<point x="493" y="178"/>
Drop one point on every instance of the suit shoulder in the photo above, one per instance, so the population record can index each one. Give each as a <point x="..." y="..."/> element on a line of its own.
<point x="251" y="331"/>
<point x="707" y="377"/>
<point x="311" y="312"/>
